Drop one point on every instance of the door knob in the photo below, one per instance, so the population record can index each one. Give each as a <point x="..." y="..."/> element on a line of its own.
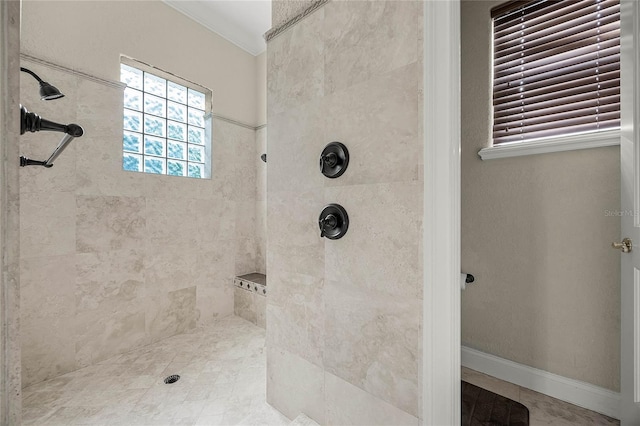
<point x="625" y="246"/>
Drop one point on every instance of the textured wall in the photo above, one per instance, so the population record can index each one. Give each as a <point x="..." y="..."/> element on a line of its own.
<point x="536" y="236"/>
<point x="95" y="33"/>
<point x="344" y="316"/>
<point x="10" y="398"/>
<point x="261" y="202"/>
<point x="112" y="260"/>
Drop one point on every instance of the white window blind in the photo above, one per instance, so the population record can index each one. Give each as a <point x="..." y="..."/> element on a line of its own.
<point x="556" y="68"/>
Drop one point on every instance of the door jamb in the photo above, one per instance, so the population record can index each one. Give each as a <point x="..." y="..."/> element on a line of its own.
<point x="441" y="235"/>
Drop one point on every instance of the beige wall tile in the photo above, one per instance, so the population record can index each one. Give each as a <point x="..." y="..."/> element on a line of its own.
<point x="261" y="236"/>
<point x="223" y="169"/>
<point x="295" y="386"/>
<point x="215" y="264"/>
<point x="213" y="303"/>
<point x="246" y="172"/>
<point x="109" y="223"/>
<point x="293" y="161"/>
<point x="105" y="280"/>
<point x="243" y="305"/>
<point x="171" y="223"/>
<point x="295" y="66"/>
<point x="381" y="249"/>
<point x="215" y="219"/>
<point x="260" y="303"/>
<point x="261" y="166"/>
<point x="350" y="405"/>
<point x="367" y="38"/>
<point x="47" y="293"/>
<point x="296" y="314"/>
<point x="171" y="313"/>
<point x="47" y="224"/>
<point x="293" y="235"/>
<point x="246" y="220"/>
<point x="169" y="269"/>
<point x="374" y="343"/>
<point x="377" y="120"/>
<point x="245" y="256"/>
<point x="101" y="335"/>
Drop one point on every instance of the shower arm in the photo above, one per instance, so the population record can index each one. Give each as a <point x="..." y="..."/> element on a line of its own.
<point x="32" y="122"/>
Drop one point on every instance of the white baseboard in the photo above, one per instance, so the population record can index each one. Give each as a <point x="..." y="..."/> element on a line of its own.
<point x="575" y="392"/>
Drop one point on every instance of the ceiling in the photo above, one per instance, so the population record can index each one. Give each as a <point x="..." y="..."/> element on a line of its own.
<point x="242" y="22"/>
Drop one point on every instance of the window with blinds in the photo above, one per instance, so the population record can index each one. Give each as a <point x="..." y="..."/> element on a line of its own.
<point x="556" y="68"/>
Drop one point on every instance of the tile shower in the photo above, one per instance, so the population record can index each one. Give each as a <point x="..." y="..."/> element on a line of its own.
<point x="112" y="260"/>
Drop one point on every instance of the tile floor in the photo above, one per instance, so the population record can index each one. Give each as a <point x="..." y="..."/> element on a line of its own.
<point x="222" y="371"/>
<point x="543" y="410"/>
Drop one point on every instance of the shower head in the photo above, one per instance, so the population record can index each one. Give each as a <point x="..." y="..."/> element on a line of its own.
<point x="47" y="91"/>
<point x="263" y="157"/>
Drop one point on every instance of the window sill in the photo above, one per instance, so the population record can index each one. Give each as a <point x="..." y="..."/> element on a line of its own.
<point x="543" y="146"/>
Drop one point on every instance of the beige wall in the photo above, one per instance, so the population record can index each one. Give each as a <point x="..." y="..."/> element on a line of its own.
<point x="261" y="89"/>
<point x="112" y="260"/>
<point x="344" y="316"/>
<point x="91" y="35"/>
<point x="536" y="236"/>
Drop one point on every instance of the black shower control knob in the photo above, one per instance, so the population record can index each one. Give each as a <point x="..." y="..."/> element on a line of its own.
<point x="334" y="160"/>
<point x="333" y="222"/>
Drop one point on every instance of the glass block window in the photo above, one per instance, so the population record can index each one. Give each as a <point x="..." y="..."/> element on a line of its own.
<point x="167" y="124"/>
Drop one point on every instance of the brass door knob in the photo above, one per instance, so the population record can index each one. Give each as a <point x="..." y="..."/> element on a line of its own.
<point x="625" y="246"/>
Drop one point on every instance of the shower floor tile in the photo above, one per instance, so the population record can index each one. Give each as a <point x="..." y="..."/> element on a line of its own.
<point x="222" y="370"/>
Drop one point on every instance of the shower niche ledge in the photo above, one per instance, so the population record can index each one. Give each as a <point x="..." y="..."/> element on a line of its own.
<point x="250" y="298"/>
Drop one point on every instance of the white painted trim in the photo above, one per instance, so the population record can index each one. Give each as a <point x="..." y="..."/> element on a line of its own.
<point x="575" y="392"/>
<point x="441" y="237"/>
<point x="556" y="144"/>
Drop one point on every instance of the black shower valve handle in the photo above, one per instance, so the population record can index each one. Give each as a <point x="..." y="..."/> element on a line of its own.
<point x="333" y="222"/>
<point x="327" y="223"/>
<point x="330" y="160"/>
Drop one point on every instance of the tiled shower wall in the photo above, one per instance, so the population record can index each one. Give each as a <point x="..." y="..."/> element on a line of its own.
<point x="344" y="316"/>
<point x="261" y="202"/>
<point x="113" y="260"/>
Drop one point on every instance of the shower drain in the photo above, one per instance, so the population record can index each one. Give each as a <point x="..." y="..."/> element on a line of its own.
<point x="171" y="379"/>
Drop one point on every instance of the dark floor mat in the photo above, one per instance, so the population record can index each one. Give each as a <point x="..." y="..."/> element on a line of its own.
<point x="483" y="408"/>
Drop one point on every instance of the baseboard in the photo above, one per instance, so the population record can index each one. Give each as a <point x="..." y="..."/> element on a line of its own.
<point x="575" y="392"/>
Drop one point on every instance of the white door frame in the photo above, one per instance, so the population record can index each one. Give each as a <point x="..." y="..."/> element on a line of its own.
<point x="441" y="235"/>
<point x="630" y="185"/>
